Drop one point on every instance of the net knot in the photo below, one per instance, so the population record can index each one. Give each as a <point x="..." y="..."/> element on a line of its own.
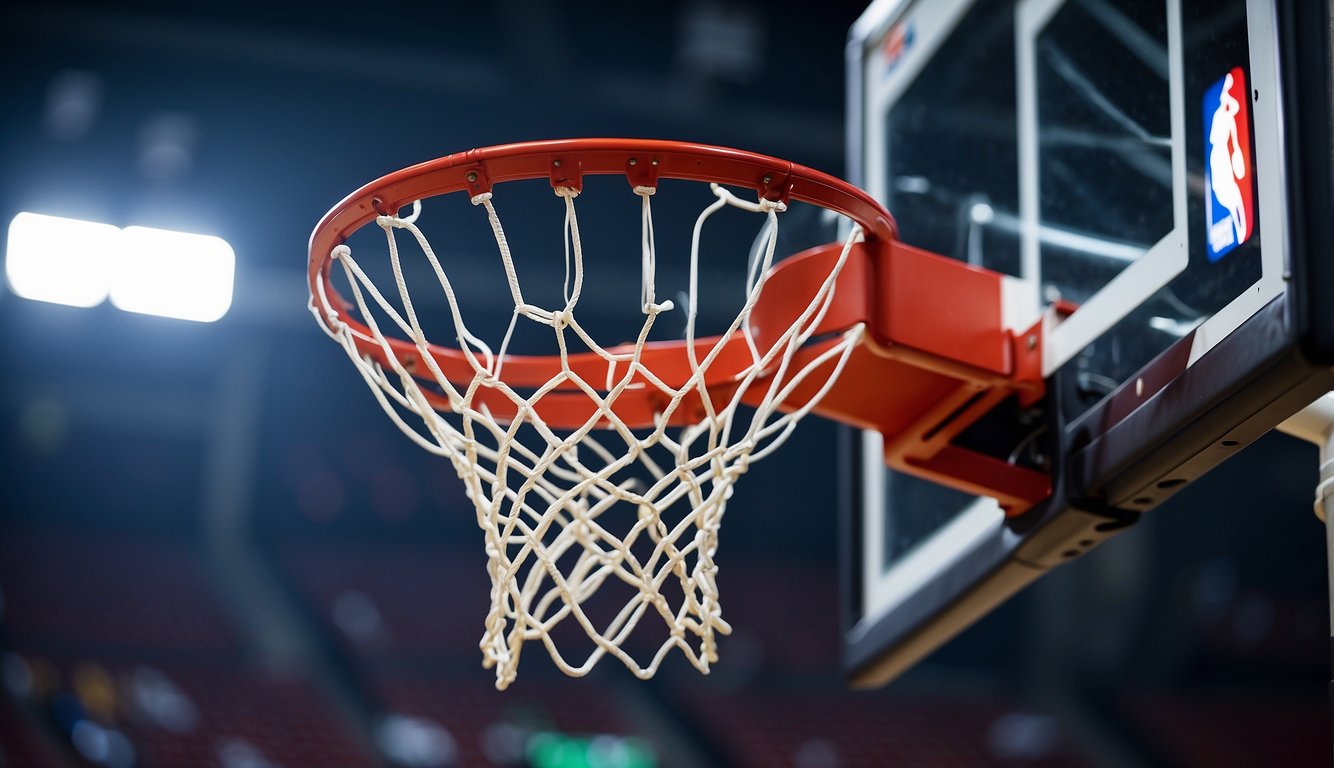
<point x="645" y="191"/>
<point x="569" y="192"/>
<point x="581" y="531"/>
<point x="339" y="251"/>
<point x="767" y="205"/>
<point x="480" y="198"/>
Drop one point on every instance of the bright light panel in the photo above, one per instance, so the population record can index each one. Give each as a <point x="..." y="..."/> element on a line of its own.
<point x="65" y="261"/>
<point x="173" y="274"/>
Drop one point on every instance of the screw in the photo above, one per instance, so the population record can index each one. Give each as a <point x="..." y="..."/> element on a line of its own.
<point x="1032" y="342"/>
<point x="634" y="161"/>
<point x="556" y="163"/>
<point x="655" y="162"/>
<point x="472" y="175"/>
<point x="768" y="179"/>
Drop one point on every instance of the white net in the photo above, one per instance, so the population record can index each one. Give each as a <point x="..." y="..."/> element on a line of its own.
<point x="566" y="512"/>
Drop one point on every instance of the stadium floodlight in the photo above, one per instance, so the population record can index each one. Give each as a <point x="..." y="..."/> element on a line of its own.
<point x="173" y="274"/>
<point x="144" y="270"/>
<point x="64" y="261"/>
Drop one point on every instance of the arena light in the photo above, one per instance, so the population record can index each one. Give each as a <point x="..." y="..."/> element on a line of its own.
<point x="144" y="270"/>
<point x="64" y="261"/>
<point x="173" y="274"/>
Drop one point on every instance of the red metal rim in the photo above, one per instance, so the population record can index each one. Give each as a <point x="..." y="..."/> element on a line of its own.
<point x="565" y="162"/>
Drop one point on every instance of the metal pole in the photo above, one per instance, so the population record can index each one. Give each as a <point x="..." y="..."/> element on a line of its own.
<point x="1315" y="424"/>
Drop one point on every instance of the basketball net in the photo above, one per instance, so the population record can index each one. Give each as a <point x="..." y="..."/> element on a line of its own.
<point x="546" y="498"/>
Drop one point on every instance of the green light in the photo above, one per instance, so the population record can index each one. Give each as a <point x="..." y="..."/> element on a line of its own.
<point x="557" y="750"/>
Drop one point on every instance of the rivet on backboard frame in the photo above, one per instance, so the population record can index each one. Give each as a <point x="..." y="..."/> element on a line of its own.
<point x="1032" y="342"/>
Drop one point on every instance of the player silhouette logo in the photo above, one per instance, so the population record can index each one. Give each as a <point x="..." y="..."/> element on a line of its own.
<point x="1229" y="182"/>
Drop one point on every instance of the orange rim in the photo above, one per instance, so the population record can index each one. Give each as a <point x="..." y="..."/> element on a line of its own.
<point x="565" y="162"/>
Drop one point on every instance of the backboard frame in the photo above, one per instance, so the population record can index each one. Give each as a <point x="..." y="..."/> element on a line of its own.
<point x="1207" y="396"/>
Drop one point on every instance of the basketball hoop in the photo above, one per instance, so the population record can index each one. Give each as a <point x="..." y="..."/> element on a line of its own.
<point x="543" y="443"/>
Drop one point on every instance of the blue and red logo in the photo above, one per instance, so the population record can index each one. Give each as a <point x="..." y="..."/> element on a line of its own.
<point x="898" y="42"/>
<point x="1229" y="174"/>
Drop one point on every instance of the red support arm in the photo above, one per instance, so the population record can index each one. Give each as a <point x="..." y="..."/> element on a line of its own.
<point x="937" y="358"/>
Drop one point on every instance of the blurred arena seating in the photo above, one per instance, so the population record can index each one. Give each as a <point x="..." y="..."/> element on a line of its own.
<point x="126" y="633"/>
<point x="22" y="740"/>
<point x="408" y="617"/>
<point x="1231" y="729"/>
<point x="75" y="590"/>
<point x="490" y="724"/>
<point x="789" y="609"/>
<point x="395" y="601"/>
<point x="826" y="727"/>
<point x="285" y="719"/>
<point x="118" y="652"/>
<point x="406" y="602"/>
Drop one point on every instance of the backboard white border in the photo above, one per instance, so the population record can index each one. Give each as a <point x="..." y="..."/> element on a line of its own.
<point x="1149" y="273"/>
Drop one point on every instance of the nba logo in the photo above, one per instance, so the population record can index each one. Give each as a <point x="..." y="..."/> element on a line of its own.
<point x="897" y="42"/>
<point x="1229" y="175"/>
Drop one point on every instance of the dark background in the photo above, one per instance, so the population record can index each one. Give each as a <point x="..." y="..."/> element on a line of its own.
<point x="222" y="506"/>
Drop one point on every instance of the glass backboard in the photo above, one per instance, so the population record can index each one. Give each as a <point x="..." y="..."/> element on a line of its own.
<point x="1124" y="163"/>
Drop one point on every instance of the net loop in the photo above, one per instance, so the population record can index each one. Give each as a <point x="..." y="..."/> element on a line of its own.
<point x="616" y="497"/>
